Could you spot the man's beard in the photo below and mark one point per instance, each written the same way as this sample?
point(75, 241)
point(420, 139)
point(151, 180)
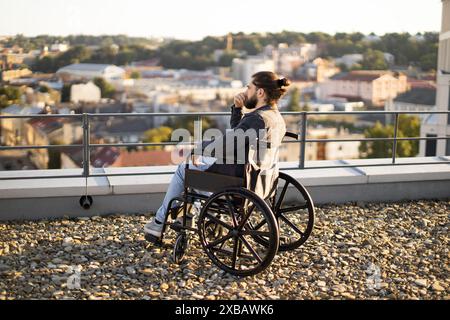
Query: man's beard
point(251, 102)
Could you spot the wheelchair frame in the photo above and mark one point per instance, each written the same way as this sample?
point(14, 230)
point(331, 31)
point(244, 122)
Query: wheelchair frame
point(224, 186)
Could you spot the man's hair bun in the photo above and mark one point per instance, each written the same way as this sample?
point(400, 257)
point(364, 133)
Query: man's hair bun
point(274, 86)
point(283, 82)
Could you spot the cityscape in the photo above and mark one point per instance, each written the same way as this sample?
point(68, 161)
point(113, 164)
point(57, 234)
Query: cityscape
point(120, 74)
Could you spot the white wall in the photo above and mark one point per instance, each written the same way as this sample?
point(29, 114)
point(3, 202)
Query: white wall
point(88, 92)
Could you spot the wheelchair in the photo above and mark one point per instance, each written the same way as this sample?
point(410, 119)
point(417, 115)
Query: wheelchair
point(239, 231)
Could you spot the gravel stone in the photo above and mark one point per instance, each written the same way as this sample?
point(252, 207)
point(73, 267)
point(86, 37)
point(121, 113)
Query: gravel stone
point(371, 251)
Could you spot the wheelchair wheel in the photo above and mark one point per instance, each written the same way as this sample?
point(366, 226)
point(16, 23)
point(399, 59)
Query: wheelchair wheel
point(180, 246)
point(294, 213)
point(226, 235)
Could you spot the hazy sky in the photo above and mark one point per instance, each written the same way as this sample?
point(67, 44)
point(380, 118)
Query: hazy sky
point(195, 19)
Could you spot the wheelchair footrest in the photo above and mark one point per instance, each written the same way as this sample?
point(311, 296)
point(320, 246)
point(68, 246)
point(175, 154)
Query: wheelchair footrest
point(153, 239)
point(178, 224)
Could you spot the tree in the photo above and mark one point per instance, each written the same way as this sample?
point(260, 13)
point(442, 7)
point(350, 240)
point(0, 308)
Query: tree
point(44, 89)
point(306, 106)
point(181, 123)
point(54, 156)
point(226, 59)
point(76, 54)
point(135, 75)
point(9, 95)
point(294, 101)
point(374, 60)
point(198, 55)
point(156, 135)
point(429, 61)
point(107, 90)
point(46, 65)
point(65, 93)
point(409, 126)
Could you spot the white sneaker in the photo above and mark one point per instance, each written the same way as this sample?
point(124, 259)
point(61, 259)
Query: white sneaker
point(154, 228)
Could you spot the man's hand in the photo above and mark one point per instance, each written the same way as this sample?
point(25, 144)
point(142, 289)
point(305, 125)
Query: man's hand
point(195, 159)
point(239, 100)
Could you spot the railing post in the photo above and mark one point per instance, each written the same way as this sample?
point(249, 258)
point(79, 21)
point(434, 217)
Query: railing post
point(86, 149)
point(303, 140)
point(198, 134)
point(394, 147)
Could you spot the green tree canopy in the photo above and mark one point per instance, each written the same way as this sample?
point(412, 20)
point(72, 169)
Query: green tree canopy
point(156, 135)
point(107, 90)
point(409, 126)
point(374, 60)
point(9, 95)
point(294, 101)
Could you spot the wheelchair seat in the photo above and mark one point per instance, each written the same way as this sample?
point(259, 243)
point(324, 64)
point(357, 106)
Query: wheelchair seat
point(211, 181)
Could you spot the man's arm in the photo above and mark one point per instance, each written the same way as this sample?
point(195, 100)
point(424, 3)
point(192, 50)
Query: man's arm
point(226, 143)
point(236, 109)
point(236, 116)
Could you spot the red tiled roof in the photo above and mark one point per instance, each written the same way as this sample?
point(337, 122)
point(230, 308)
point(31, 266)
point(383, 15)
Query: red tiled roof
point(104, 157)
point(423, 84)
point(143, 158)
point(348, 97)
point(365, 76)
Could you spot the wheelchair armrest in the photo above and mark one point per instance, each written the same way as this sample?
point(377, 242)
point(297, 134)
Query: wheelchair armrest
point(292, 135)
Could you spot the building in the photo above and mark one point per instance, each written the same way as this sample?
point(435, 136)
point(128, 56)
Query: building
point(59, 47)
point(89, 71)
point(288, 59)
point(438, 125)
point(121, 129)
point(323, 150)
point(372, 87)
point(42, 131)
point(318, 70)
point(13, 129)
point(349, 60)
point(417, 99)
point(14, 74)
point(15, 160)
point(88, 92)
point(243, 69)
point(99, 157)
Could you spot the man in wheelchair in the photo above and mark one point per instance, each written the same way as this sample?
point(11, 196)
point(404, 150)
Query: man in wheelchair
point(263, 118)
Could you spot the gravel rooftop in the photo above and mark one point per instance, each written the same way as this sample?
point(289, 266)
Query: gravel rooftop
point(371, 251)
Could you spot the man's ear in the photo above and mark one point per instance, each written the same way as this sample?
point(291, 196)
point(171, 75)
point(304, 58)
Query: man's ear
point(260, 93)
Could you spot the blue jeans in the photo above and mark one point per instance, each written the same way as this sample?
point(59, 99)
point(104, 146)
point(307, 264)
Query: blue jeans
point(176, 186)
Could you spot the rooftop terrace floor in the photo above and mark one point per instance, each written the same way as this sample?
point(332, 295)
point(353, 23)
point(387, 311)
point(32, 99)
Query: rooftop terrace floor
point(373, 251)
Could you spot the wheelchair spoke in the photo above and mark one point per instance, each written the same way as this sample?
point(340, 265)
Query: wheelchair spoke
point(218, 221)
point(252, 251)
point(280, 200)
point(290, 224)
point(231, 210)
point(293, 208)
point(255, 233)
point(259, 225)
point(244, 221)
point(219, 241)
point(235, 251)
point(230, 252)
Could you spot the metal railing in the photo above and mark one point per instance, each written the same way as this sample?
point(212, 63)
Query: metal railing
point(85, 119)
